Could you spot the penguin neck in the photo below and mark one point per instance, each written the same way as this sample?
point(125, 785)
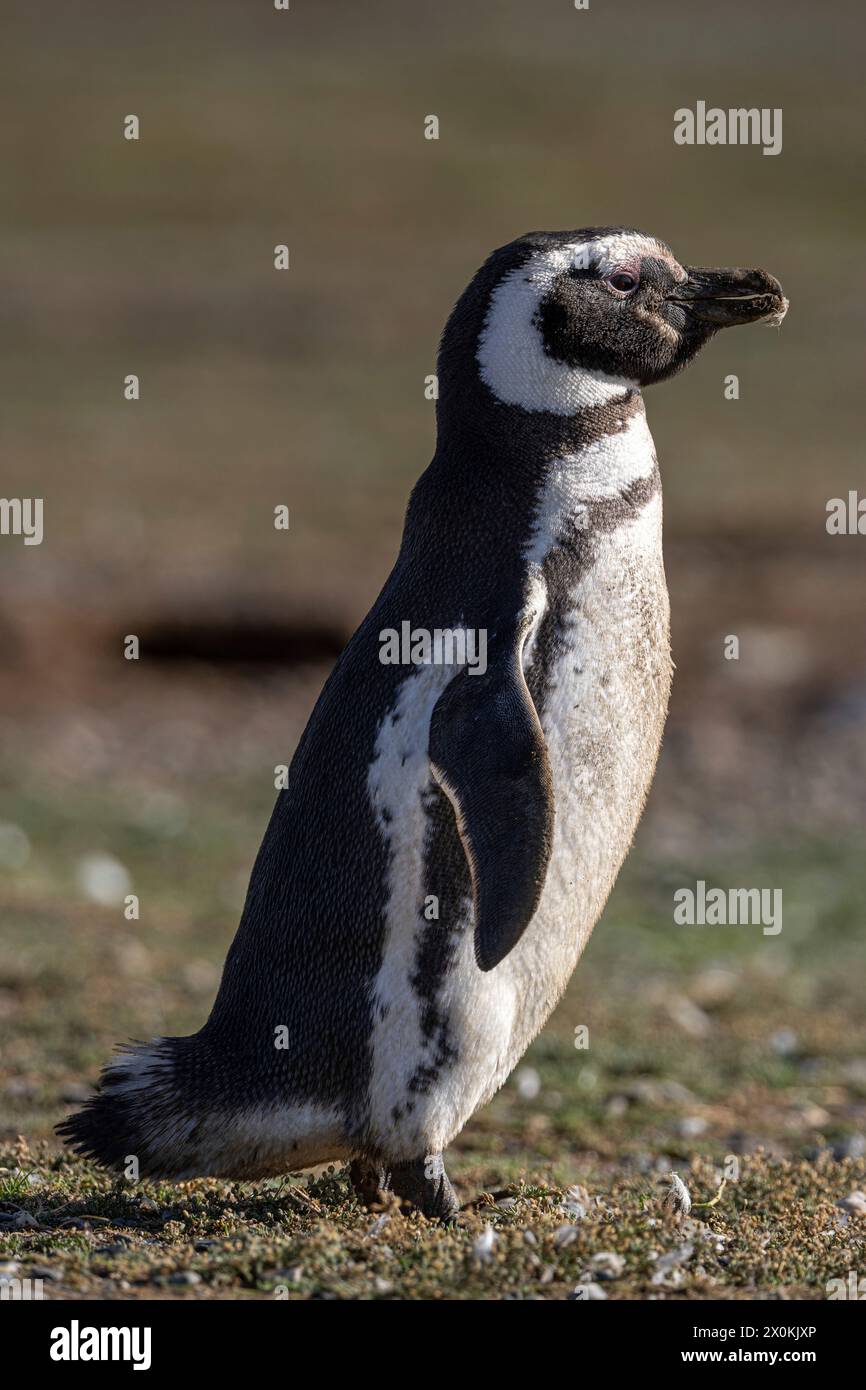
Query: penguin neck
point(484, 440)
point(504, 485)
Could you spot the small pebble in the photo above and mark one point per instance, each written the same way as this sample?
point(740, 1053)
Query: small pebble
point(853, 1146)
point(587, 1293)
point(607, 1264)
point(19, 1221)
point(784, 1042)
point(528, 1083)
point(103, 879)
point(691, 1126)
point(677, 1197)
point(485, 1244)
point(14, 846)
point(688, 1017)
point(854, 1204)
point(576, 1202)
point(677, 1256)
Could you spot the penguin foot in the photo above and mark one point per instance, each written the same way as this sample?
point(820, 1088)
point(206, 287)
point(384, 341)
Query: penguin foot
point(370, 1181)
point(423, 1182)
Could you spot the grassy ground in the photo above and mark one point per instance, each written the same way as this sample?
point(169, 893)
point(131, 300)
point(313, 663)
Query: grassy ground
point(711, 1052)
point(776, 1233)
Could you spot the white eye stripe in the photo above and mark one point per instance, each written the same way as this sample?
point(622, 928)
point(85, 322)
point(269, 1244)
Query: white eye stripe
point(510, 353)
point(626, 251)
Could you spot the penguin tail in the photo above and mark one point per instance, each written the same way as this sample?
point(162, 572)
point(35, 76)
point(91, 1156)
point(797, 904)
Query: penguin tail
point(139, 1122)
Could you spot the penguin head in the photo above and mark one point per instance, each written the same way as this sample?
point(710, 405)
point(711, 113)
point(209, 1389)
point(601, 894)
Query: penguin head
point(567, 320)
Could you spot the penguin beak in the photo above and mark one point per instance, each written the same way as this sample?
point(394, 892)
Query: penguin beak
point(724, 298)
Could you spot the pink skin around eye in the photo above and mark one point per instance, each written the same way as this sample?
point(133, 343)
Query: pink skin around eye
point(624, 281)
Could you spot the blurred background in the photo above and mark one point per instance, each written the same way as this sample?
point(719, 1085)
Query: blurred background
point(307, 389)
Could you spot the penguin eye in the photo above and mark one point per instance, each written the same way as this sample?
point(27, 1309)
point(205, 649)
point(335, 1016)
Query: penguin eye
point(623, 280)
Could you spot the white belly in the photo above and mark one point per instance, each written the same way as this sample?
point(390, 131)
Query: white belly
point(602, 721)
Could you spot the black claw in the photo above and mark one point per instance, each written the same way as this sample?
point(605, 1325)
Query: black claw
point(423, 1182)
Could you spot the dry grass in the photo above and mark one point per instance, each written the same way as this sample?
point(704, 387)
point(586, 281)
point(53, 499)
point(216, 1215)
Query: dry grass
point(776, 1233)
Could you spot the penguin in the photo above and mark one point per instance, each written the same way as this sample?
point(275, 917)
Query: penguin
point(460, 803)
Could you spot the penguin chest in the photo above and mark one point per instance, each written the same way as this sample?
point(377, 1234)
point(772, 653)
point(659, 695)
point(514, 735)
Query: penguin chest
point(596, 659)
point(597, 662)
point(599, 665)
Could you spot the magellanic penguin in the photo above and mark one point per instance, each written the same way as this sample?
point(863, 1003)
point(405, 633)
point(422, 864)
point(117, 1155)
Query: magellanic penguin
point(452, 827)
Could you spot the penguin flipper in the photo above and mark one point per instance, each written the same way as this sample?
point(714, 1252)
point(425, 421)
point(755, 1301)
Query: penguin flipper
point(488, 754)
